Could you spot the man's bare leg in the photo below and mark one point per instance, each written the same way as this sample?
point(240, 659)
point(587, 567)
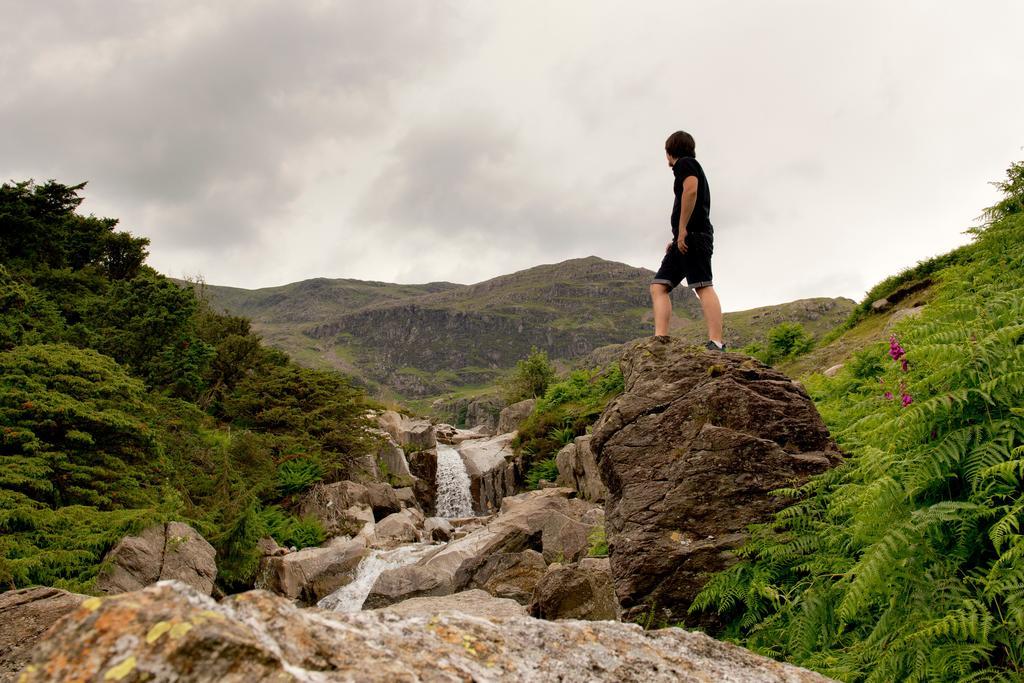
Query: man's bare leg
point(662, 309)
point(712, 313)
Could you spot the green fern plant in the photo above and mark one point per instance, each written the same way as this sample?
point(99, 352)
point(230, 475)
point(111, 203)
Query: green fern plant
point(907, 562)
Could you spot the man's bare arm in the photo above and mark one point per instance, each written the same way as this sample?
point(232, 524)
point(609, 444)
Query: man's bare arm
point(688, 201)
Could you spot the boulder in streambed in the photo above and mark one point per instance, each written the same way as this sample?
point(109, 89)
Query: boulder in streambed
point(582, 590)
point(689, 453)
point(312, 573)
point(161, 552)
point(492, 470)
point(513, 415)
point(170, 632)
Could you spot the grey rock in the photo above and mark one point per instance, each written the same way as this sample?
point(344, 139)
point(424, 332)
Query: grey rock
point(582, 590)
point(833, 370)
point(161, 552)
point(438, 529)
point(473, 602)
point(511, 575)
point(396, 529)
point(512, 416)
point(492, 471)
point(577, 469)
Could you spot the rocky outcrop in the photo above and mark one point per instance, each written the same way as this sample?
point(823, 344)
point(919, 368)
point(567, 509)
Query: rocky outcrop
point(512, 416)
point(582, 590)
point(390, 459)
point(477, 413)
point(689, 453)
point(577, 469)
point(411, 434)
point(26, 614)
point(312, 573)
point(170, 632)
point(164, 551)
point(492, 469)
point(542, 521)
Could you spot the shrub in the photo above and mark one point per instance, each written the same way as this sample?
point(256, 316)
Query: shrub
point(530, 378)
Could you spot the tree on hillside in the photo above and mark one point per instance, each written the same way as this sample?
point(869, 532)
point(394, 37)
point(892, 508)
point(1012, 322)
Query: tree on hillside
point(531, 377)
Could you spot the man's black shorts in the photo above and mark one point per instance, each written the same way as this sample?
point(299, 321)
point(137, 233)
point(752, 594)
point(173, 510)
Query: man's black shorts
point(694, 265)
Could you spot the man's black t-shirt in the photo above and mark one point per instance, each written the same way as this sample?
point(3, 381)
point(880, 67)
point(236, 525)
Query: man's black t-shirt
point(700, 219)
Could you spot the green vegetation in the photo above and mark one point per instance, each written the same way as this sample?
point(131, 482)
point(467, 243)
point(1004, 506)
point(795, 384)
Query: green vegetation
point(125, 401)
point(531, 377)
point(907, 562)
point(598, 542)
point(784, 341)
point(564, 412)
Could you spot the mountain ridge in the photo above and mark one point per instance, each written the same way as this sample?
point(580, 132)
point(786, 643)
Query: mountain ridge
point(414, 341)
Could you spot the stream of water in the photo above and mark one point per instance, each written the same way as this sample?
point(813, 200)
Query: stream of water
point(453, 496)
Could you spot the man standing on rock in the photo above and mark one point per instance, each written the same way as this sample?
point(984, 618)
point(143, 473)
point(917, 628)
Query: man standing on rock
point(689, 253)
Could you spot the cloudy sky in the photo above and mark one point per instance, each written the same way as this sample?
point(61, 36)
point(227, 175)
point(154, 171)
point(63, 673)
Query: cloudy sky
point(259, 143)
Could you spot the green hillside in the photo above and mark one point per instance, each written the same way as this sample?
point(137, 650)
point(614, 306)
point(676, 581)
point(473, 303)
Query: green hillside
point(907, 562)
point(125, 401)
point(419, 341)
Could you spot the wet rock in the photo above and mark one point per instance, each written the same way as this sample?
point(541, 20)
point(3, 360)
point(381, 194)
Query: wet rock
point(164, 551)
point(26, 614)
point(423, 465)
point(492, 471)
point(170, 632)
point(312, 573)
point(582, 590)
point(512, 416)
point(577, 469)
point(519, 526)
point(689, 453)
point(511, 575)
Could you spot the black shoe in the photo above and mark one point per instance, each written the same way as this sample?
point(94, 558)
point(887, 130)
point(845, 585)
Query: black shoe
point(712, 346)
point(662, 338)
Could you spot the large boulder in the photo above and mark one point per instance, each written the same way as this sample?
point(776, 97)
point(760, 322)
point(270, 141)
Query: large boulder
point(312, 573)
point(577, 469)
point(689, 453)
point(447, 434)
point(26, 614)
point(492, 470)
point(396, 529)
point(170, 632)
point(531, 521)
point(511, 575)
point(512, 416)
point(582, 590)
point(390, 458)
point(163, 551)
point(423, 465)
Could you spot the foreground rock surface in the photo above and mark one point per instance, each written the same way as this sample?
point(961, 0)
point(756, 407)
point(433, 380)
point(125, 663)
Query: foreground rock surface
point(689, 453)
point(25, 616)
point(161, 552)
point(170, 632)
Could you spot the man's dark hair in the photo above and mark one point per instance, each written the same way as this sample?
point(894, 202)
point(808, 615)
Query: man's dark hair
point(680, 144)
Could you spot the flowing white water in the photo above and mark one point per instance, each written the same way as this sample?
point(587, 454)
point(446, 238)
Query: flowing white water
point(453, 496)
point(350, 597)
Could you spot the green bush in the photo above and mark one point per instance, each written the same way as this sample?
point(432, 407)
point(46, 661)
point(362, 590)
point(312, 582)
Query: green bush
point(298, 474)
point(546, 469)
point(531, 377)
point(784, 341)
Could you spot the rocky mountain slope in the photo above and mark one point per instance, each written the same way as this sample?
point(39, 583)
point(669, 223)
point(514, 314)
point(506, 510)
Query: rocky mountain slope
point(425, 340)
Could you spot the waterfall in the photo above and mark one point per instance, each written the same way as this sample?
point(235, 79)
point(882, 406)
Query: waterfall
point(453, 496)
point(350, 597)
